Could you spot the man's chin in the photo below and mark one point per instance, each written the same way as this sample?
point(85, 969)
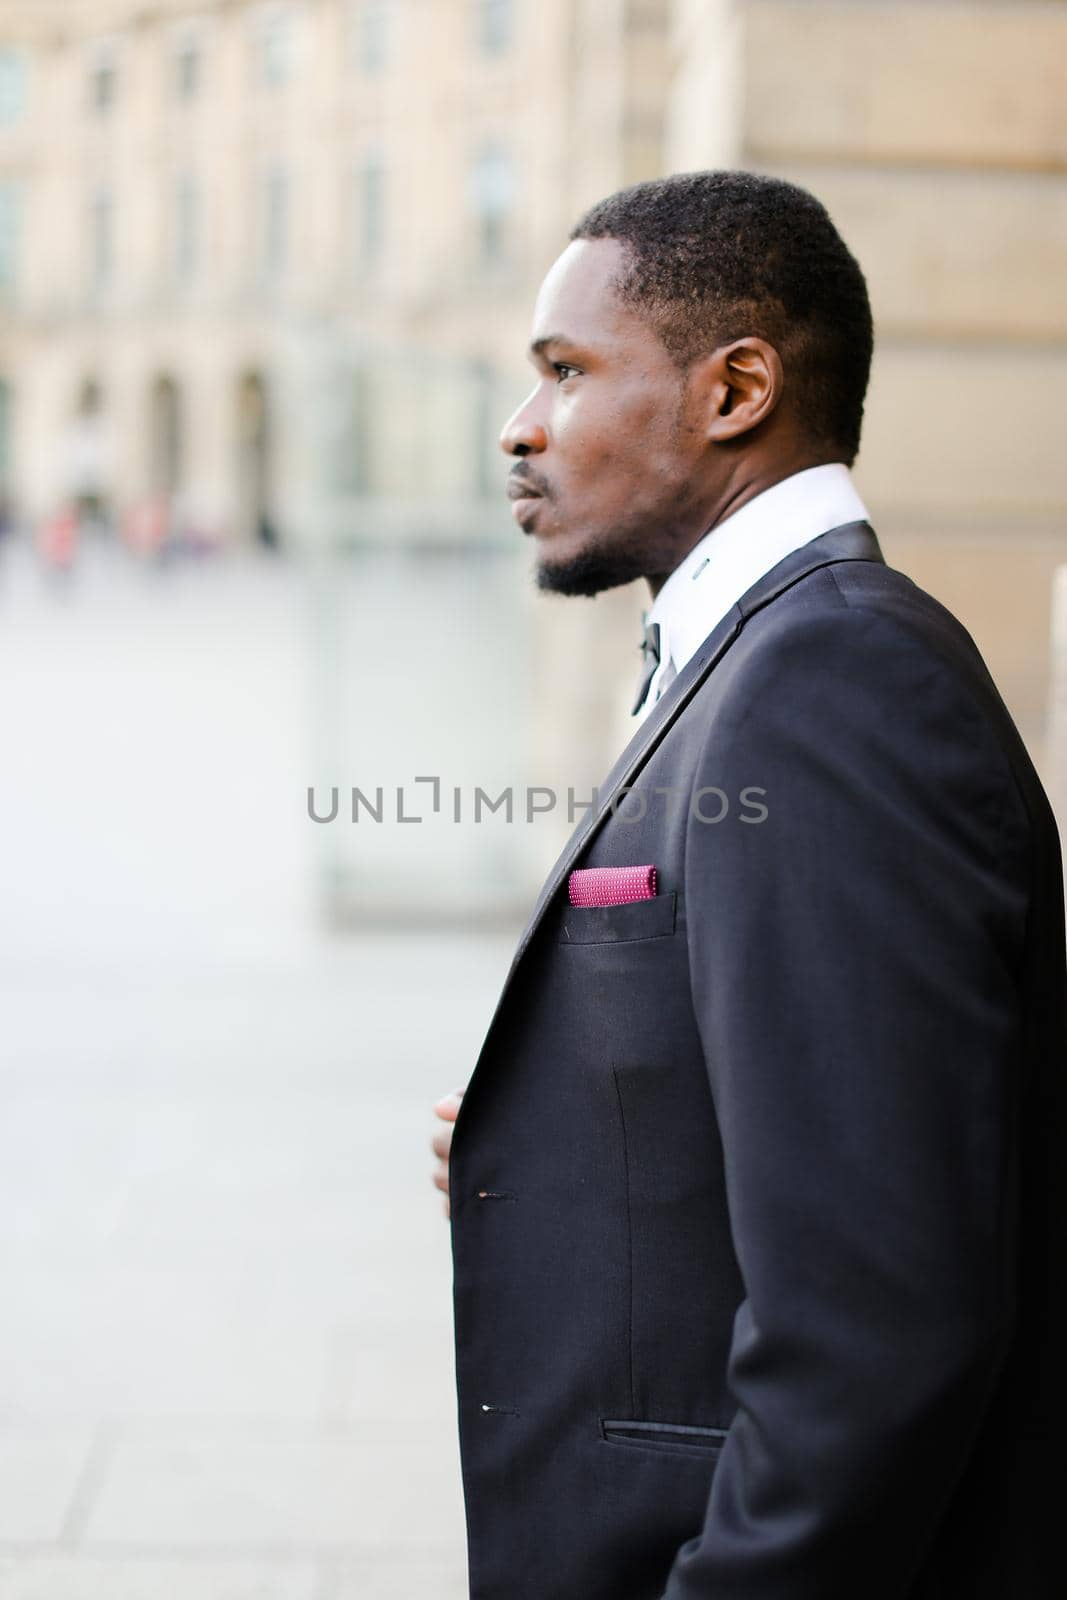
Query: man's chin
point(587, 572)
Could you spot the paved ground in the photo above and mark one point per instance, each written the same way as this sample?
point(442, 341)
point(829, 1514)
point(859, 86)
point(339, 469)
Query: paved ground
point(225, 1359)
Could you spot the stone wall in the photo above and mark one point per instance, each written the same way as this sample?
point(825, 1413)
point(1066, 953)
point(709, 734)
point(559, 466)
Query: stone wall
point(936, 134)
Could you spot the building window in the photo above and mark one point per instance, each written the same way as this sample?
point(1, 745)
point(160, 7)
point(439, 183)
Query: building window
point(496, 25)
point(275, 46)
point(88, 466)
point(166, 435)
point(10, 220)
point(103, 84)
point(186, 230)
point(275, 238)
point(188, 63)
point(370, 214)
point(373, 26)
point(5, 447)
point(12, 84)
point(492, 192)
point(101, 240)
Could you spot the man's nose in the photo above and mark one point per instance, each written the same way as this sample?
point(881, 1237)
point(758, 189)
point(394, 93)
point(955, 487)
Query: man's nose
point(523, 434)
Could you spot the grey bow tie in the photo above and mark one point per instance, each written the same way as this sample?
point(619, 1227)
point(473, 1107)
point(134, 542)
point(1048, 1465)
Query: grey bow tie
point(650, 644)
point(650, 647)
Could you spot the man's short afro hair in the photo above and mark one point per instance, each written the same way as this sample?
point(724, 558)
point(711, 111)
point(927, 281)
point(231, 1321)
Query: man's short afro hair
point(713, 256)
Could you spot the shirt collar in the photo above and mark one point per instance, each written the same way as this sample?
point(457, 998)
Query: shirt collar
point(732, 556)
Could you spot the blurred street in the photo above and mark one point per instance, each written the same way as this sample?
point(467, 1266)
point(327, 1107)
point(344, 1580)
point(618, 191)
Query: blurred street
point(225, 1349)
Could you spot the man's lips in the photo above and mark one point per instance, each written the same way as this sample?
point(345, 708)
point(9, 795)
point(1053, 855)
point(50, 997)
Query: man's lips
point(524, 498)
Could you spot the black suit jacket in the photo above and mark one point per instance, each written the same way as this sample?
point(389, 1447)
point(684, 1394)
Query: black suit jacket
point(759, 1215)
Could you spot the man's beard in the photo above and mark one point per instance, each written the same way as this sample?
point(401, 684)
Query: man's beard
point(593, 570)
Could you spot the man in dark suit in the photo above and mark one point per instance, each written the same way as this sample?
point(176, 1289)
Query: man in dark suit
point(759, 1217)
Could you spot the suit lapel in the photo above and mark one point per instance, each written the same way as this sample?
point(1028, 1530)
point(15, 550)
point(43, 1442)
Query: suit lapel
point(854, 541)
point(640, 747)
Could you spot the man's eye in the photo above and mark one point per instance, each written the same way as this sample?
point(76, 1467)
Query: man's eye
point(563, 369)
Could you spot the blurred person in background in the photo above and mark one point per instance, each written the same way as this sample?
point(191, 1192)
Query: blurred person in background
point(757, 1195)
point(57, 541)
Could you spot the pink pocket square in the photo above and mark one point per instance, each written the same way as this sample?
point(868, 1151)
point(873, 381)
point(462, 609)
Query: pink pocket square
point(611, 886)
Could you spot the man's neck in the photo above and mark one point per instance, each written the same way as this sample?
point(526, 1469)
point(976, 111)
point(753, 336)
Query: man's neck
point(736, 496)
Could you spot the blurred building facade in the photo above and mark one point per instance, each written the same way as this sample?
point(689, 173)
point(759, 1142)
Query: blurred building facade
point(201, 203)
point(267, 267)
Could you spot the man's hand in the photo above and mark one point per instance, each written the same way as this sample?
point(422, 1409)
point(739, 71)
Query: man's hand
point(447, 1109)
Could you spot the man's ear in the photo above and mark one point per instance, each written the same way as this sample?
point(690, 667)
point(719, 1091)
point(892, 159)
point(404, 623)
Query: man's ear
point(736, 387)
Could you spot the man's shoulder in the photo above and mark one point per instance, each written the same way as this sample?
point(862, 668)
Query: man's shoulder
point(855, 662)
point(840, 595)
point(852, 643)
point(851, 617)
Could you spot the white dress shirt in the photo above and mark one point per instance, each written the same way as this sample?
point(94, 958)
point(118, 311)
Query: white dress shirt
point(737, 552)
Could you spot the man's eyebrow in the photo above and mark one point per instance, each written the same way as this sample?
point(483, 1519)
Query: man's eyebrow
point(539, 346)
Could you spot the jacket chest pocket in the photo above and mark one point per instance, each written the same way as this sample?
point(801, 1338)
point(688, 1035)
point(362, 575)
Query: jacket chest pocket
point(656, 918)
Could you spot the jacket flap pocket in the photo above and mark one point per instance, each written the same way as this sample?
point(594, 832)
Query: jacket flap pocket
point(662, 1435)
